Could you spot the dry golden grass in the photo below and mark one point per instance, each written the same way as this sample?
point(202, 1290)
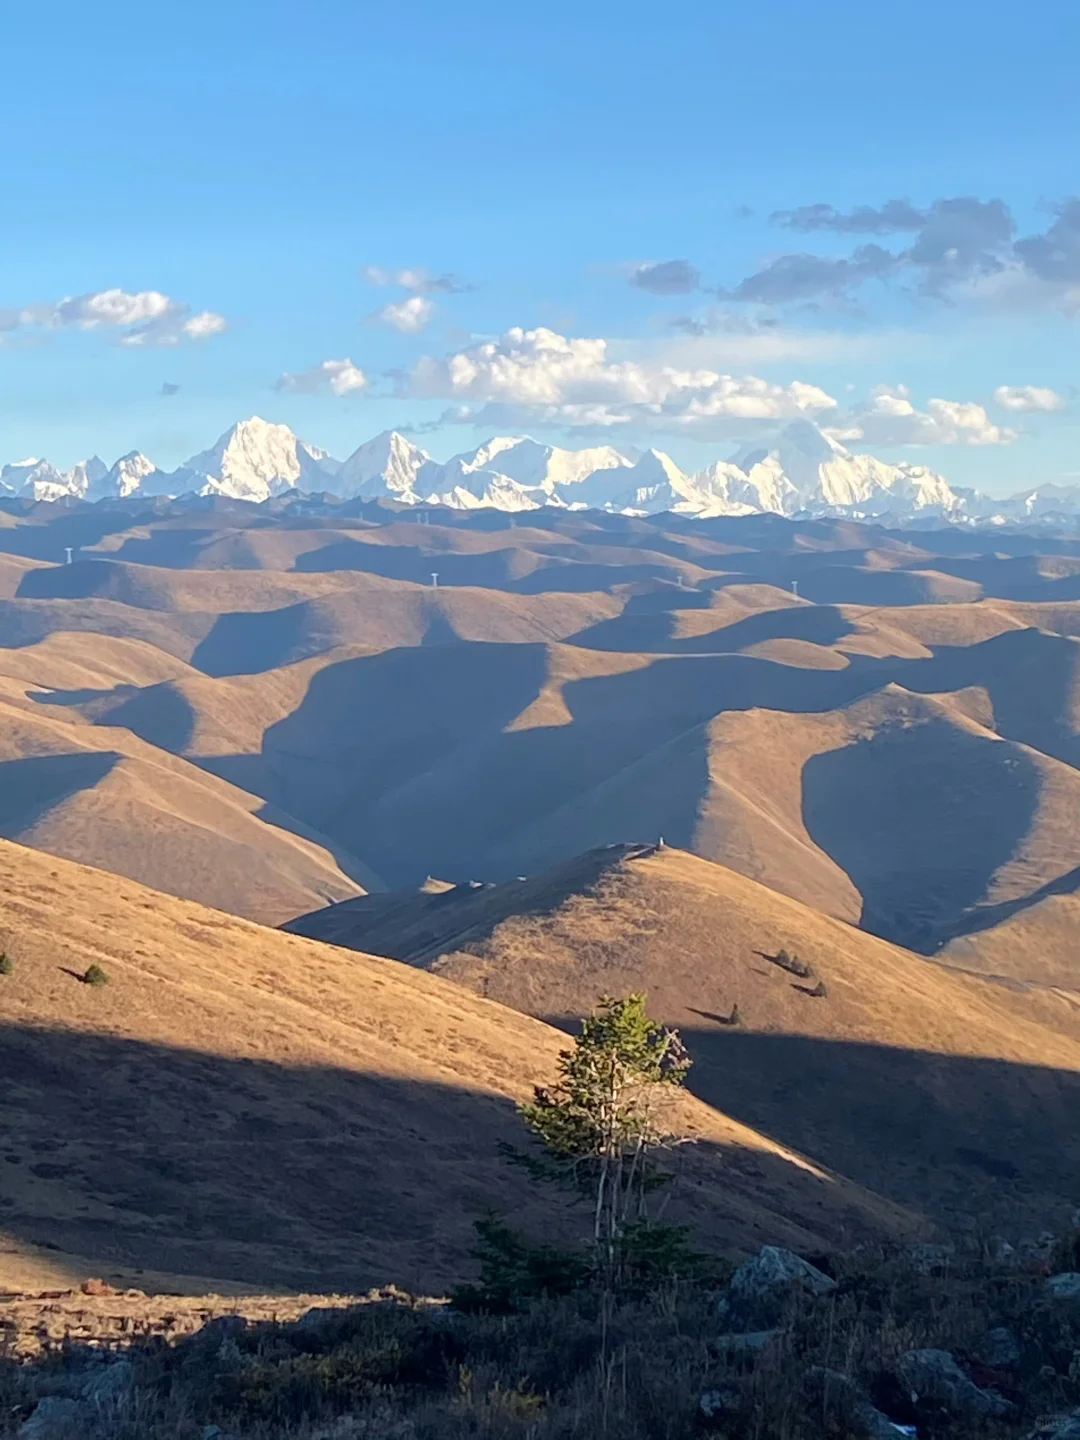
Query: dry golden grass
point(946, 1092)
point(240, 1105)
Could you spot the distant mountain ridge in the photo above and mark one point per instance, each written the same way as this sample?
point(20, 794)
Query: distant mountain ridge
point(802, 471)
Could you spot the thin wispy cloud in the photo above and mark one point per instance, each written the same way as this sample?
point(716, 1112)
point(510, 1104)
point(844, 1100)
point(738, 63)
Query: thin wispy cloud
point(423, 282)
point(1021, 398)
point(667, 277)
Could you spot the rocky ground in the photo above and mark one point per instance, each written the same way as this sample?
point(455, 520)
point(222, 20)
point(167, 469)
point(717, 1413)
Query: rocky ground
point(920, 1341)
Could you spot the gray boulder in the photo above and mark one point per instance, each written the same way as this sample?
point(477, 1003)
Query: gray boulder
point(932, 1259)
point(934, 1376)
point(109, 1382)
point(715, 1404)
point(747, 1341)
point(1061, 1427)
point(1065, 1286)
point(761, 1288)
point(58, 1418)
point(841, 1399)
point(999, 1348)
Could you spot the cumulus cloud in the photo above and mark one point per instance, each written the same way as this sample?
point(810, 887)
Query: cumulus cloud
point(961, 247)
point(667, 277)
point(409, 316)
point(1029, 397)
point(331, 377)
point(890, 418)
point(417, 279)
point(540, 375)
point(144, 317)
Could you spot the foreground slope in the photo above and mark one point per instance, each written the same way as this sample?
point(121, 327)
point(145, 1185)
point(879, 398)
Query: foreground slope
point(946, 1092)
point(241, 1105)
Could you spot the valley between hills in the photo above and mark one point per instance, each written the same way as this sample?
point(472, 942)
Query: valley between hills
point(361, 809)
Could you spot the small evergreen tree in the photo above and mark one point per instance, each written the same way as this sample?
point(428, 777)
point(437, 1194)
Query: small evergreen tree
point(95, 975)
point(599, 1126)
point(7, 965)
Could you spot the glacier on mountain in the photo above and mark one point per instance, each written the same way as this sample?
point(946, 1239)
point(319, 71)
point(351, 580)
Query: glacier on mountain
point(802, 471)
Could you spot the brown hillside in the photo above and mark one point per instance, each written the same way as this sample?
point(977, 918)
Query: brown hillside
point(945, 1092)
point(241, 1105)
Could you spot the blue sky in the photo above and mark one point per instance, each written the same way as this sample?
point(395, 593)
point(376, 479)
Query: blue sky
point(249, 164)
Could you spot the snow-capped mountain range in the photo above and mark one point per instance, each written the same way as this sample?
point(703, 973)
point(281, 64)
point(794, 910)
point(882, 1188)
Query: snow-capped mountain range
point(802, 471)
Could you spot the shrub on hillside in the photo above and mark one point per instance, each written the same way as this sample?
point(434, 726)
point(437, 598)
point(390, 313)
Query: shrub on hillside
point(7, 964)
point(95, 975)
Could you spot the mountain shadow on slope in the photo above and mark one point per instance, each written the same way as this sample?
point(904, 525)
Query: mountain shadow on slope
point(129, 1156)
point(978, 1143)
point(438, 779)
point(159, 714)
point(657, 632)
point(31, 787)
point(920, 817)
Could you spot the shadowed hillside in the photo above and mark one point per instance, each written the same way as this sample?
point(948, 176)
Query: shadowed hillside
point(940, 1090)
point(883, 725)
point(240, 1104)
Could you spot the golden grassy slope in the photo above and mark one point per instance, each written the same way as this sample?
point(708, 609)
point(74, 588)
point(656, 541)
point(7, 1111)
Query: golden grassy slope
point(945, 1092)
point(242, 1105)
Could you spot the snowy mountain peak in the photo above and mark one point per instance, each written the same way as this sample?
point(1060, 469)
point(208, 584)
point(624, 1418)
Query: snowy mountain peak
point(257, 459)
point(800, 470)
point(132, 473)
point(388, 465)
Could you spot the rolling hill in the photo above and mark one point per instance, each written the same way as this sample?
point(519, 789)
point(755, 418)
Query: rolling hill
point(244, 1107)
point(942, 1091)
point(265, 707)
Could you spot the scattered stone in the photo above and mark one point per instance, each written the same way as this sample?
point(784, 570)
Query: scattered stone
point(57, 1418)
point(716, 1403)
point(999, 1349)
point(109, 1382)
point(935, 1376)
point(97, 1287)
point(748, 1340)
point(842, 1399)
point(221, 1328)
point(932, 1259)
point(1060, 1427)
point(318, 1316)
point(1065, 1286)
point(761, 1288)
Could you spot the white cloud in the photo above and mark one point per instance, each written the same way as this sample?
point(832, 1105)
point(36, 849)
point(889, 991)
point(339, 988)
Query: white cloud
point(1029, 397)
point(415, 278)
point(541, 375)
point(409, 316)
point(144, 317)
point(890, 418)
point(331, 377)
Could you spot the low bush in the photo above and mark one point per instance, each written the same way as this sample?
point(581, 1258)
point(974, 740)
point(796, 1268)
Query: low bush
point(7, 964)
point(95, 975)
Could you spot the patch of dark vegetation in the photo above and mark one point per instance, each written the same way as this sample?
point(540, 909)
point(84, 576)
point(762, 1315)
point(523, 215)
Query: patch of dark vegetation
point(7, 964)
point(95, 975)
point(791, 963)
